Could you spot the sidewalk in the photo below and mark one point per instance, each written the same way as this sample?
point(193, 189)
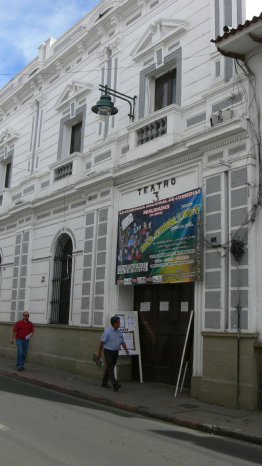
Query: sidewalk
point(150, 399)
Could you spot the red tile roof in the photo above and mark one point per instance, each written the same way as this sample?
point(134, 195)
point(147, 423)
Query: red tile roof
point(240, 27)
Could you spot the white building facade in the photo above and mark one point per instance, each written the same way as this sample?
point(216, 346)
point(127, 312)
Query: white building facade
point(65, 175)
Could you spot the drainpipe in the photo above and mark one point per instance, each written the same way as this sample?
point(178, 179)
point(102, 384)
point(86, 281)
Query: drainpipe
point(238, 354)
point(237, 250)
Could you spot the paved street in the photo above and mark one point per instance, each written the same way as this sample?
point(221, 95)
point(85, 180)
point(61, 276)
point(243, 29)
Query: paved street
point(44, 428)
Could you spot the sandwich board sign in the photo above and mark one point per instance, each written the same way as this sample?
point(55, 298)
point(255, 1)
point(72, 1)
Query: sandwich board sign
point(130, 330)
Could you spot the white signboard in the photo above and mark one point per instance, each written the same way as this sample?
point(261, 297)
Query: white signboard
point(129, 338)
point(164, 306)
point(122, 321)
point(130, 320)
point(144, 307)
point(130, 329)
point(184, 306)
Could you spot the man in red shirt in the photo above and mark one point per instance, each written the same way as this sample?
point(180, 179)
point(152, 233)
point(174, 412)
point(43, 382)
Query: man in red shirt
point(22, 331)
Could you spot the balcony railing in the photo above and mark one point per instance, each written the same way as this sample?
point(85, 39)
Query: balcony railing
point(152, 131)
point(63, 171)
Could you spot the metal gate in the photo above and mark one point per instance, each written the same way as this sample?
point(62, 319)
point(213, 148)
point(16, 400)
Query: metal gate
point(61, 282)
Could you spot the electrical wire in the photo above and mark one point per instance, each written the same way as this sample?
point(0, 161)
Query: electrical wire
point(45, 73)
point(252, 213)
point(250, 218)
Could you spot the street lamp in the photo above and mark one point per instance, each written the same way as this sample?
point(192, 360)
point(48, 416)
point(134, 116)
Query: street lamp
point(105, 107)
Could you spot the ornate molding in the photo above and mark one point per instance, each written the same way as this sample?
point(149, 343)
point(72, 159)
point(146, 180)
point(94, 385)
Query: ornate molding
point(114, 46)
point(80, 48)
point(159, 32)
point(38, 100)
point(8, 136)
point(58, 66)
point(72, 92)
point(157, 167)
point(224, 142)
point(103, 56)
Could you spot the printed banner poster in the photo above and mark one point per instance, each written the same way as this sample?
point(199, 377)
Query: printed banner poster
point(160, 242)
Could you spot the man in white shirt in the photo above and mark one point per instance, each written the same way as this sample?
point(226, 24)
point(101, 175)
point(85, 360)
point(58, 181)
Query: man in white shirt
point(112, 339)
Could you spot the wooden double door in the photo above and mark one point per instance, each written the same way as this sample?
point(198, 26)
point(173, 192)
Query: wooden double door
point(163, 313)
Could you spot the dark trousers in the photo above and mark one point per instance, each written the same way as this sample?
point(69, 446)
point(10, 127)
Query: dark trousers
point(111, 360)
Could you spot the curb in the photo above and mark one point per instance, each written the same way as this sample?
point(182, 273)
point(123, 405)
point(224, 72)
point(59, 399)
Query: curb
point(177, 420)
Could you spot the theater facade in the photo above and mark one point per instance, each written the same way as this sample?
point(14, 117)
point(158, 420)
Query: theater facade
point(152, 209)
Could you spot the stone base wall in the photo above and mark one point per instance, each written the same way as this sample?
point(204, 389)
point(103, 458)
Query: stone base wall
point(63, 347)
point(218, 383)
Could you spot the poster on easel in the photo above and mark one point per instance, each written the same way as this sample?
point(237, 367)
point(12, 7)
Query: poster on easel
point(130, 330)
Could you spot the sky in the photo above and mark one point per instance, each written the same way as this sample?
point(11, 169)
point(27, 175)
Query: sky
point(26, 24)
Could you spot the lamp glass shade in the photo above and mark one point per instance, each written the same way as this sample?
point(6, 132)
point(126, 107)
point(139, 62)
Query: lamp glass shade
point(104, 110)
point(104, 106)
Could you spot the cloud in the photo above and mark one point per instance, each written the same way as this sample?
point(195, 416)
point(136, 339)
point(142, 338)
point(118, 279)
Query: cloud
point(27, 24)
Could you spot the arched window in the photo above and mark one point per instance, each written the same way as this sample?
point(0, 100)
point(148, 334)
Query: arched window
point(61, 282)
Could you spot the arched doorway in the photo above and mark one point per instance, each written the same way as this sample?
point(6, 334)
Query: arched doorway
point(61, 282)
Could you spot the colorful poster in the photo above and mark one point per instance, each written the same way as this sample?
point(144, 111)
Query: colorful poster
point(160, 242)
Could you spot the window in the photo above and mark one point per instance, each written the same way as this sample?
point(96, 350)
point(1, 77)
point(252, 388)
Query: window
point(8, 175)
point(160, 86)
point(165, 90)
point(76, 131)
point(71, 137)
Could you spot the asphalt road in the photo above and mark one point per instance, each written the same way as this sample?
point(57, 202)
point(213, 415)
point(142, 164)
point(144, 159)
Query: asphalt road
point(40, 427)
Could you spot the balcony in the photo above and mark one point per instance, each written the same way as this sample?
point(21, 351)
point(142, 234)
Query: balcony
point(63, 171)
point(73, 164)
point(153, 133)
point(5, 198)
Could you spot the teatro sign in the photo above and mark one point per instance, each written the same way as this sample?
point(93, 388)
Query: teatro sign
point(156, 187)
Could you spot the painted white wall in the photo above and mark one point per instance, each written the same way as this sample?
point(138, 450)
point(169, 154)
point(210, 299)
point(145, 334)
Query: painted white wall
point(183, 153)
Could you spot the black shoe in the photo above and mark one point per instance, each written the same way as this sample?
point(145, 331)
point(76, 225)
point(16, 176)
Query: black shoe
point(20, 368)
point(116, 387)
point(105, 385)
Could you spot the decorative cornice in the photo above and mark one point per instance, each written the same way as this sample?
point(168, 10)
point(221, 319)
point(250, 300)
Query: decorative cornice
point(157, 167)
point(80, 48)
point(38, 100)
point(224, 142)
point(159, 32)
point(114, 46)
point(7, 136)
point(71, 92)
